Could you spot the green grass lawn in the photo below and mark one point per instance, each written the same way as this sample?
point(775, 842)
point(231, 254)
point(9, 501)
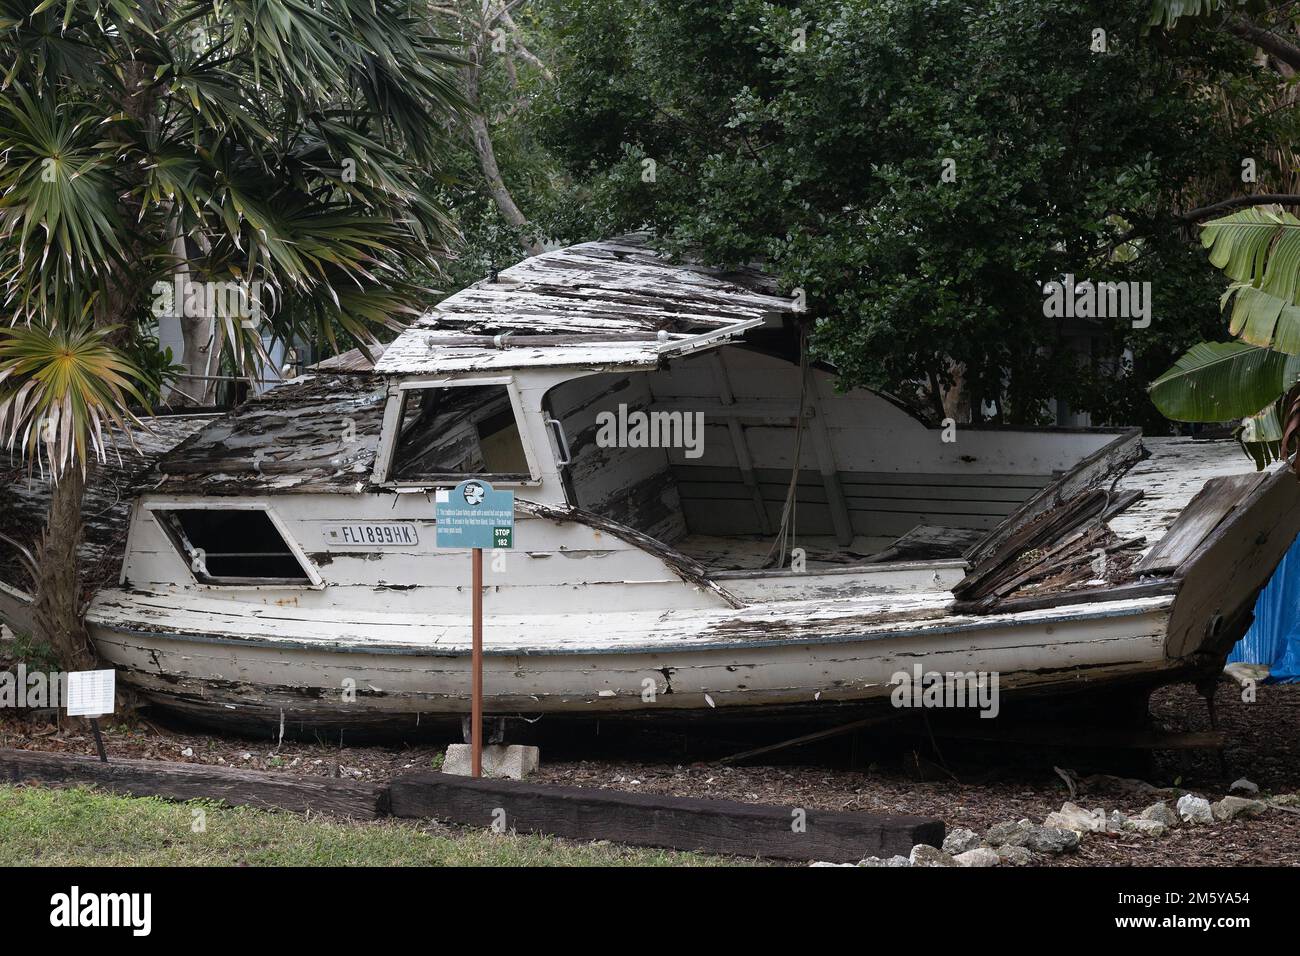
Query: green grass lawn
point(40, 827)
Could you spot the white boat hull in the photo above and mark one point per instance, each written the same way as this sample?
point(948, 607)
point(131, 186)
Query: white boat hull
point(853, 659)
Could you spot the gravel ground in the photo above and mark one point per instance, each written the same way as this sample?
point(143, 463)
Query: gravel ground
point(1263, 745)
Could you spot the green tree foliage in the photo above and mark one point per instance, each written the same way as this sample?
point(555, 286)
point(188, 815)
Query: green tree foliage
point(1252, 379)
point(816, 138)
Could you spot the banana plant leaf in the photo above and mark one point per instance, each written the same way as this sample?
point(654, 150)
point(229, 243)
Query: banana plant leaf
point(1223, 381)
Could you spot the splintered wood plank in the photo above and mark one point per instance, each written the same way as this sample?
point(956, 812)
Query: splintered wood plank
point(1210, 506)
point(616, 302)
point(184, 781)
point(1176, 469)
point(1041, 534)
point(1087, 474)
point(1228, 569)
point(642, 819)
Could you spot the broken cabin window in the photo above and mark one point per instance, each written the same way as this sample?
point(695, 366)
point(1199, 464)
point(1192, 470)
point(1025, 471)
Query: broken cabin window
point(232, 546)
point(459, 431)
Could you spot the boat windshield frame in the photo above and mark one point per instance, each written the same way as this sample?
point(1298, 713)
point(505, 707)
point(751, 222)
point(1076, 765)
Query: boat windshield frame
point(394, 420)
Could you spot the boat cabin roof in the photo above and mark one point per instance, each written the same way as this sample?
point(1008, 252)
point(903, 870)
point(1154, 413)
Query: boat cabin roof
point(318, 433)
point(615, 303)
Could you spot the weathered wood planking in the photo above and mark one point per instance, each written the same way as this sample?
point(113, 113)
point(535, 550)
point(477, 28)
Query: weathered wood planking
point(630, 485)
point(184, 781)
point(566, 556)
point(1210, 506)
point(679, 823)
point(597, 291)
point(595, 664)
point(318, 433)
point(1224, 575)
point(869, 432)
point(1175, 470)
point(1092, 471)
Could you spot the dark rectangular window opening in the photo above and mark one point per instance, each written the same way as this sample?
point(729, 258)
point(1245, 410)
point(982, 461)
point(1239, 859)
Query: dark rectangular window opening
point(232, 546)
point(459, 431)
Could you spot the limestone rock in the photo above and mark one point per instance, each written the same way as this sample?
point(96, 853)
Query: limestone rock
point(1229, 808)
point(892, 862)
point(1195, 810)
point(1014, 833)
point(960, 840)
point(1151, 828)
point(925, 855)
point(1052, 840)
point(1071, 817)
point(980, 856)
point(1011, 855)
point(1160, 813)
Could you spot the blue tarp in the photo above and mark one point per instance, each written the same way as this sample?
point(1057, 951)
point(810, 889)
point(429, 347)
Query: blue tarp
point(1274, 637)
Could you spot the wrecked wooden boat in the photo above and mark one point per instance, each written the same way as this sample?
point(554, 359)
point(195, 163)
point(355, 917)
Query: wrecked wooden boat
point(705, 526)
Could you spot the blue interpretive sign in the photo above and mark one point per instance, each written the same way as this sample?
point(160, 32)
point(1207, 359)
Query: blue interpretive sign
point(474, 515)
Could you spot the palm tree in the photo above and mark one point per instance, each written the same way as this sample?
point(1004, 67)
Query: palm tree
point(1252, 379)
point(287, 147)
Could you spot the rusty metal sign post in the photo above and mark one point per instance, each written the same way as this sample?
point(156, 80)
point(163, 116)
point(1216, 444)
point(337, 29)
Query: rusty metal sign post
point(474, 515)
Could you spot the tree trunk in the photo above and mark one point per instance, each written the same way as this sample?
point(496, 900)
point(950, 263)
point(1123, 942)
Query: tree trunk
point(201, 359)
point(200, 349)
point(1274, 44)
point(481, 141)
point(57, 611)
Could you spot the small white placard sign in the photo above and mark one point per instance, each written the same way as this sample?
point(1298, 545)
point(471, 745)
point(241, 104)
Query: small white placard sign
point(91, 693)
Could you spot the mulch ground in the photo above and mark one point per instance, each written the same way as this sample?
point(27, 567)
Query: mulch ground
point(1263, 745)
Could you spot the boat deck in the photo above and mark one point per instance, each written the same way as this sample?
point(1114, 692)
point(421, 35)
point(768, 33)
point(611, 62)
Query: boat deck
point(1176, 470)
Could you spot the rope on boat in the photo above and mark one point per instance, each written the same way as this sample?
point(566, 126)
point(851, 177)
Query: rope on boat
point(786, 533)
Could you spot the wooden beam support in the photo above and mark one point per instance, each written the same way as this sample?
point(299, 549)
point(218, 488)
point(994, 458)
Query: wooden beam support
point(740, 445)
point(812, 737)
point(187, 781)
point(821, 436)
point(643, 819)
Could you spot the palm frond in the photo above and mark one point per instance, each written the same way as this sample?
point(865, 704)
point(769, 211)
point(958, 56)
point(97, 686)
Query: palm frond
point(1259, 247)
point(62, 388)
point(58, 201)
point(1262, 319)
point(1167, 13)
point(1260, 436)
point(1223, 381)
